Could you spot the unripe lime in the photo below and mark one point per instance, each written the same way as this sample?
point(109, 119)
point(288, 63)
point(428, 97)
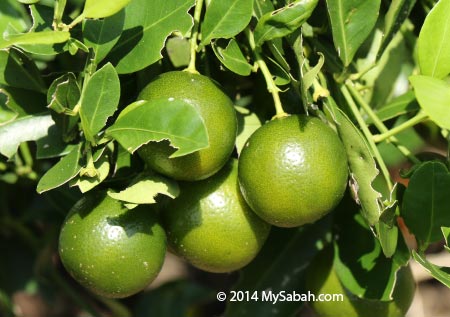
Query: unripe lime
point(218, 114)
point(211, 226)
point(293, 170)
point(112, 251)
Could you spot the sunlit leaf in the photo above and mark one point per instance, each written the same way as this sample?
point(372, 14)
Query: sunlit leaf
point(283, 21)
point(144, 189)
point(29, 128)
point(433, 46)
point(157, 120)
point(85, 183)
point(231, 57)
point(62, 172)
point(103, 8)
point(363, 169)
point(351, 23)
point(99, 100)
point(446, 233)
point(145, 31)
point(225, 19)
point(442, 274)
point(44, 37)
point(248, 122)
point(433, 96)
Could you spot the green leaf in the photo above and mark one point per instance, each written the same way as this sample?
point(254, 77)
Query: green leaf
point(18, 70)
point(62, 97)
point(426, 201)
point(362, 268)
point(225, 19)
point(23, 101)
point(280, 75)
point(12, 13)
point(98, 9)
point(363, 170)
point(409, 138)
point(398, 106)
point(433, 46)
point(442, 274)
point(158, 120)
point(6, 113)
point(144, 189)
point(283, 21)
point(351, 23)
point(261, 7)
point(52, 145)
point(398, 12)
point(433, 96)
point(285, 272)
point(248, 122)
point(145, 32)
point(42, 16)
point(99, 100)
point(311, 75)
point(44, 37)
point(85, 183)
point(386, 228)
point(29, 128)
point(446, 233)
point(102, 35)
point(178, 49)
point(230, 55)
point(62, 172)
point(63, 94)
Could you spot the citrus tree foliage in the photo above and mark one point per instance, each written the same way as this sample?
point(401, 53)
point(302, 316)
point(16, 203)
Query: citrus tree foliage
point(372, 70)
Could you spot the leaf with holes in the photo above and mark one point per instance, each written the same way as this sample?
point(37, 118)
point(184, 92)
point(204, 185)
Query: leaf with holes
point(157, 120)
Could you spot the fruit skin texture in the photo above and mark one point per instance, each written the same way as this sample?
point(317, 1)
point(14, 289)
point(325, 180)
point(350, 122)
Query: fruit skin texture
point(322, 279)
point(219, 117)
point(211, 226)
point(112, 251)
point(293, 170)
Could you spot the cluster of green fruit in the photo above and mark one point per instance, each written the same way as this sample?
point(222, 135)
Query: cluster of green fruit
point(292, 171)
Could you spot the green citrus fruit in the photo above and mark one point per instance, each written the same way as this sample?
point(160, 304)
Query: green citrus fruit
point(293, 170)
point(112, 251)
point(219, 117)
point(211, 226)
point(322, 279)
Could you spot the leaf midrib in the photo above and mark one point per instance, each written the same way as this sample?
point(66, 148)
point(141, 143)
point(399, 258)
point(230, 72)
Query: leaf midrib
point(342, 28)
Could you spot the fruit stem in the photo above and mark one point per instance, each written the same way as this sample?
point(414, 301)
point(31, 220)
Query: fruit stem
point(271, 86)
point(418, 118)
point(368, 135)
point(379, 124)
point(193, 40)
